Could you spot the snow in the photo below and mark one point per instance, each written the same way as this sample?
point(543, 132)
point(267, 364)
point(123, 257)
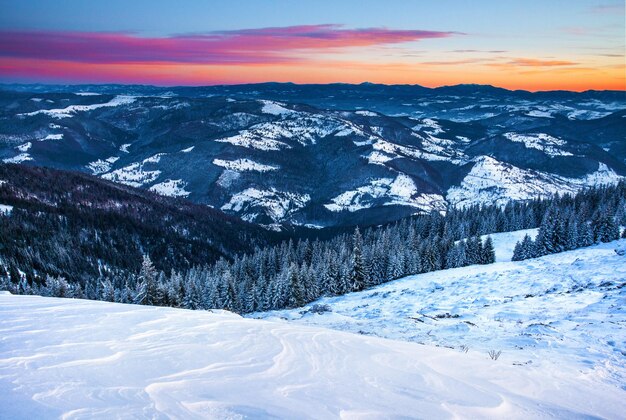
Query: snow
point(72, 109)
point(24, 147)
point(431, 125)
point(154, 158)
point(87, 94)
point(134, 174)
point(241, 165)
point(540, 113)
point(493, 182)
point(5, 209)
point(276, 204)
point(378, 158)
point(52, 137)
point(275, 108)
point(72, 358)
point(101, 166)
point(251, 140)
point(540, 141)
point(124, 148)
point(504, 243)
point(366, 113)
point(22, 157)
point(187, 150)
point(398, 191)
point(227, 178)
point(556, 315)
point(171, 188)
point(306, 130)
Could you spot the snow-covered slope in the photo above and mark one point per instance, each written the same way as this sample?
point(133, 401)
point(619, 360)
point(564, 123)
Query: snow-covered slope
point(84, 359)
point(562, 312)
point(491, 181)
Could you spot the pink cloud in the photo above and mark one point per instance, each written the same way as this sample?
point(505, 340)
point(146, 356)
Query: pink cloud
point(265, 45)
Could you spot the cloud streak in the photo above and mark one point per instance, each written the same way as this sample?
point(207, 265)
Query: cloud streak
point(264, 45)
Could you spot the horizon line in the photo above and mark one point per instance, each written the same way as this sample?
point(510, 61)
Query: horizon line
point(307, 84)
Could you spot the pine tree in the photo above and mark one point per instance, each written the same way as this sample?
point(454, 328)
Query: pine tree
point(357, 270)
point(296, 289)
point(489, 253)
point(147, 290)
point(524, 249)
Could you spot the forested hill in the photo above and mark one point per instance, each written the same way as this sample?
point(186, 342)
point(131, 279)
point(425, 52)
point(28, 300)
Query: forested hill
point(79, 226)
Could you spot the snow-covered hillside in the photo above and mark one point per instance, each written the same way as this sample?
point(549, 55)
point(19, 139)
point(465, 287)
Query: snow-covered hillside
point(562, 312)
point(330, 156)
point(85, 359)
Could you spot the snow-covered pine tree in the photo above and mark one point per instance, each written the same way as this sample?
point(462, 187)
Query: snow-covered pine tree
point(489, 253)
point(147, 283)
point(357, 269)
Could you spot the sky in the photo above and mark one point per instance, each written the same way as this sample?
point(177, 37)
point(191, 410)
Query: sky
point(531, 45)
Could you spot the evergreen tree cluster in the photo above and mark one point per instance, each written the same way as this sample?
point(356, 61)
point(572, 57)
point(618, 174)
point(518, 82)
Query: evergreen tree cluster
point(77, 226)
point(297, 271)
point(591, 217)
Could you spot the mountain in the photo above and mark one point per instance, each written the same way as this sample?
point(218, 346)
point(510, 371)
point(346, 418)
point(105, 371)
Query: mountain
point(79, 226)
point(322, 155)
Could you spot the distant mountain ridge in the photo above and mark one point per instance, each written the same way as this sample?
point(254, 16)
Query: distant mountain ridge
point(322, 155)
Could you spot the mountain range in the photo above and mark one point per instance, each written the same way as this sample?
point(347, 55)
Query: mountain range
point(322, 155)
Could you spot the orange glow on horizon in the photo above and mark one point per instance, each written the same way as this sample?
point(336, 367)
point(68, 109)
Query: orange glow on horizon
point(526, 74)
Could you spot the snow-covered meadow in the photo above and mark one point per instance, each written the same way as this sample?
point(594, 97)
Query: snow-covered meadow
point(413, 348)
point(561, 312)
point(85, 359)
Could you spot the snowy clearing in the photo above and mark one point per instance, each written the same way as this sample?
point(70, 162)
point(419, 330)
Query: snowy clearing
point(72, 109)
point(22, 157)
point(85, 359)
point(559, 313)
point(171, 188)
point(244, 164)
point(398, 191)
point(276, 204)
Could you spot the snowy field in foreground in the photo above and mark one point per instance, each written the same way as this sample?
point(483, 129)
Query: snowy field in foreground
point(84, 359)
point(560, 312)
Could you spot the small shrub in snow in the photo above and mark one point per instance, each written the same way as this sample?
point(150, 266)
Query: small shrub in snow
point(494, 355)
point(319, 309)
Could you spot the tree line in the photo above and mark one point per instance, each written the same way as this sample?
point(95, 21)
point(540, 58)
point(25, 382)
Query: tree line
point(297, 271)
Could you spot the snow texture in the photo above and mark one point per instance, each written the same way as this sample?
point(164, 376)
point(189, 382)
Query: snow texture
point(52, 137)
point(22, 157)
point(493, 182)
point(171, 188)
point(24, 147)
point(241, 165)
point(66, 358)
point(276, 204)
point(561, 314)
point(101, 166)
point(275, 108)
point(551, 146)
point(134, 174)
point(401, 191)
point(72, 109)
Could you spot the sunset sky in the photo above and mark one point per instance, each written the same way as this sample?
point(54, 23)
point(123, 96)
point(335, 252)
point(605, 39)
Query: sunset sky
point(532, 44)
